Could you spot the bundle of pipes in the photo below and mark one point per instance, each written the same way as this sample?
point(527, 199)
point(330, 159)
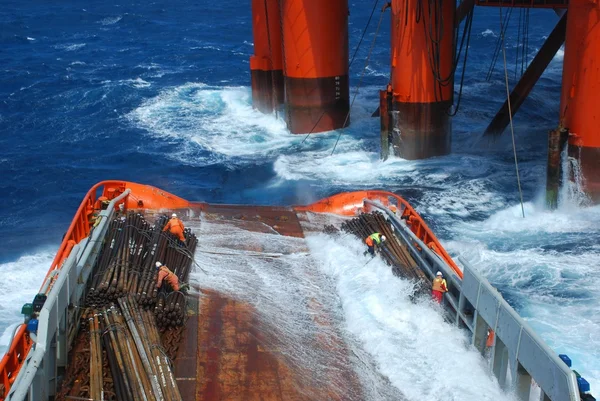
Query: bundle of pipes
point(139, 366)
point(96, 390)
point(392, 250)
point(122, 261)
point(170, 308)
point(158, 248)
point(127, 265)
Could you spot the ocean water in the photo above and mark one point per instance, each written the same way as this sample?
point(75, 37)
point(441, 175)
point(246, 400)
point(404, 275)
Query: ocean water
point(159, 93)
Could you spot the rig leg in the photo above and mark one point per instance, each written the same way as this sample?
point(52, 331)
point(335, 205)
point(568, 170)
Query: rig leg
point(315, 64)
point(422, 77)
point(266, 66)
point(580, 95)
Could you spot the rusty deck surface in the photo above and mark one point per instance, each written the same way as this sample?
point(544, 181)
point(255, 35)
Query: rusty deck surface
point(229, 350)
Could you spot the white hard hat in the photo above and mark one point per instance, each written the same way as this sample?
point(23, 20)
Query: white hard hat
point(439, 274)
point(383, 238)
point(174, 215)
point(158, 264)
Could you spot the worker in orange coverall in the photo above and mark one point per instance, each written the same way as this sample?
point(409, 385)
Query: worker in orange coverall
point(175, 226)
point(164, 273)
point(439, 287)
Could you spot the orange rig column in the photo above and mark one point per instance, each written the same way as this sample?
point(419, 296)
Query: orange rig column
point(422, 82)
point(266, 66)
point(315, 64)
point(580, 96)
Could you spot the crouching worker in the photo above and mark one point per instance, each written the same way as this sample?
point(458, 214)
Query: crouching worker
point(164, 273)
point(439, 287)
point(373, 241)
point(175, 227)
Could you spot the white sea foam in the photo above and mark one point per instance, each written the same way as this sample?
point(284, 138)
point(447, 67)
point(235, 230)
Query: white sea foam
point(70, 47)
point(421, 354)
point(30, 39)
point(111, 20)
point(218, 120)
point(137, 83)
point(348, 165)
point(395, 341)
point(297, 303)
point(553, 288)
point(553, 291)
point(21, 280)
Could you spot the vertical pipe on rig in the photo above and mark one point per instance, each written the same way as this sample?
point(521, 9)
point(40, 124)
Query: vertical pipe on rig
point(315, 64)
point(422, 58)
point(385, 118)
point(556, 143)
point(266, 65)
point(580, 94)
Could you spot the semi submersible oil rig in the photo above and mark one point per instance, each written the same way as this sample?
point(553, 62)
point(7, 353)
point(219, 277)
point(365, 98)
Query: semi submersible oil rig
point(300, 61)
point(100, 330)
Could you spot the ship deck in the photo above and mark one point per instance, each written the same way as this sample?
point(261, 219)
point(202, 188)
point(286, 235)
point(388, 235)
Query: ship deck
point(240, 341)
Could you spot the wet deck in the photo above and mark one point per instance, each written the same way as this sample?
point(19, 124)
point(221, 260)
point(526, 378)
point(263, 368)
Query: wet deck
point(233, 351)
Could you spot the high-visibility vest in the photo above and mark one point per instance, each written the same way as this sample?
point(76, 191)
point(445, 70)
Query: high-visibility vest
point(439, 284)
point(373, 237)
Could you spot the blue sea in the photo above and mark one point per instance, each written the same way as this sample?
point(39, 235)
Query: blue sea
point(159, 93)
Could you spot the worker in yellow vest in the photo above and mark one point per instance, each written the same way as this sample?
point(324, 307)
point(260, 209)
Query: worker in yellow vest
point(439, 287)
point(372, 241)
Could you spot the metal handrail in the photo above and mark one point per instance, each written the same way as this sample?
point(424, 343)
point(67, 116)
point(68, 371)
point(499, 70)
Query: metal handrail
point(553, 376)
point(52, 313)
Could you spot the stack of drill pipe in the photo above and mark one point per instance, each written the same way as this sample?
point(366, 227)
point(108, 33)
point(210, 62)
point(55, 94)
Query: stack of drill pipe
point(180, 258)
point(117, 271)
point(157, 249)
point(170, 310)
point(126, 264)
point(127, 369)
point(392, 251)
point(398, 250)
point(156, 365)
point(96, 392)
